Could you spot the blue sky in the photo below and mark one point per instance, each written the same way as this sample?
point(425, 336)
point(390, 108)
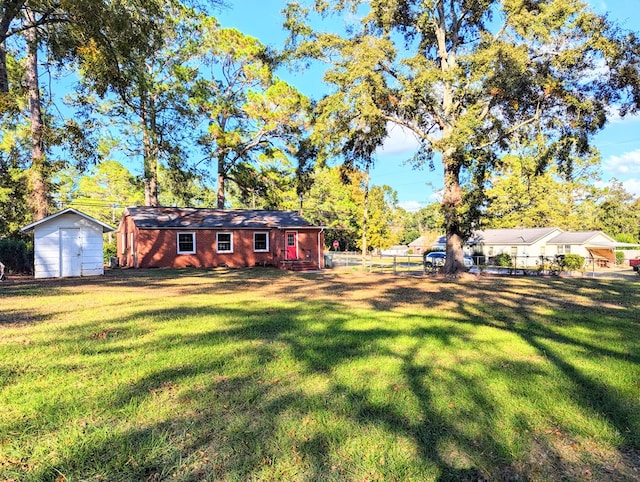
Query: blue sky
point(619, 142)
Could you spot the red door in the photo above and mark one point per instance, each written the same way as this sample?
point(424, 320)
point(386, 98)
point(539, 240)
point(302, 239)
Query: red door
point(292, 244)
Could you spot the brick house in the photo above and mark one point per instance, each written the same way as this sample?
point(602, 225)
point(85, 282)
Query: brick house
point(166, 237)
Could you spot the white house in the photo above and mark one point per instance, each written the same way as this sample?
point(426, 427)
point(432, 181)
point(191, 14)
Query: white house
point(520, 242)
point(68, 243)
point(524, 244)
point(592, 245)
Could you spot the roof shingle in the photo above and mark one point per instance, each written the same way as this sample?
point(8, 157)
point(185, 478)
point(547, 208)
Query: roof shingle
point(207, 218)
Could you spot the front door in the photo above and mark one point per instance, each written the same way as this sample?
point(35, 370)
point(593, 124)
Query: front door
point(70, 252)
point(292, 244)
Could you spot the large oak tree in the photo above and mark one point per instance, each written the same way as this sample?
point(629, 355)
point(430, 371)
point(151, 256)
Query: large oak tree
point(468, 77)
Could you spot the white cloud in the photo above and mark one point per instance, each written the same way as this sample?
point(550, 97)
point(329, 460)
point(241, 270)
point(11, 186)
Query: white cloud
point(632, 186)
point(614, 118)
point(626, 164)
point(399, 141)
point(411, 206)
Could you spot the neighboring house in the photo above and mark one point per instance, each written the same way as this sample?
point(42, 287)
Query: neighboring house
point(417, 246)
point(150, 237)
point(517, 243)
point(592, 245)
point(68, 243)
point(533, 243)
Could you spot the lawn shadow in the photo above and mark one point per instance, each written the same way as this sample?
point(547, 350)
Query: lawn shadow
point(234, 420)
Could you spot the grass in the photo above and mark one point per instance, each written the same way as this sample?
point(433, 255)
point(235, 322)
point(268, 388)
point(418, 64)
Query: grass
point(265, 375)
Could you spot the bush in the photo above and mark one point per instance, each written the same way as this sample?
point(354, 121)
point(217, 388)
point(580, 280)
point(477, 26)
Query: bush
point(503, 259)
point(110, 251)
point(573, 262)
point(619, 258)
point(16, 256)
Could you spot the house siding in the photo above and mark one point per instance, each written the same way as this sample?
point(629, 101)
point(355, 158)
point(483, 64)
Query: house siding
point(158, 248)
point(47, 246)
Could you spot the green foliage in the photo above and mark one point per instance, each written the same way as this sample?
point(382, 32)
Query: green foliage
point(469, 87)
point(625, 238)
point(618, 212)
point(572, 262)
point(381, 212)
point(110, 250)
point(16, 256)
point(619, 258)
point(503, 259)
point(255, 120)
point(520, 196)
point(103, 192)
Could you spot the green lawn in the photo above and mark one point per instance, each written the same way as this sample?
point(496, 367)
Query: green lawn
point(343, 375)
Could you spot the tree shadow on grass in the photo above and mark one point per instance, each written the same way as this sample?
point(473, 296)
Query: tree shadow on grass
point(240, 415)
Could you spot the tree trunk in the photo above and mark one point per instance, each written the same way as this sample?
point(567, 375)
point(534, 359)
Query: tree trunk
point(221, 182)
point(4, 76)
point(451, 203)
point(150, 157)
point(38, 173)
point(365, 216)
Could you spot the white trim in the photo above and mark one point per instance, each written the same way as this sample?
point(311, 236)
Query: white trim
point(266, 235)
point(193, 240)
point(230, 233)
point(105, 227)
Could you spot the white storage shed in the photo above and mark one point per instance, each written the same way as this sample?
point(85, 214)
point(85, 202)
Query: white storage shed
point(68, 243)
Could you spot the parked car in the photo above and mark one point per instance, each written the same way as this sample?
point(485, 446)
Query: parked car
point(436, 259)
point(635, 264)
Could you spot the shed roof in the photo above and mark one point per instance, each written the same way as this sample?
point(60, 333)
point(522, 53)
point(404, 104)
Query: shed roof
point(105, 227)
point(207, 218)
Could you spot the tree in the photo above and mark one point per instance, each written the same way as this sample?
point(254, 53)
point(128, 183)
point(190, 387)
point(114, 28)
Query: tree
point(102, 193)
point(617, 212)
point(253, 117)
point(146, 90)
point(382, 209)
point(520, 196)
point(335, 201)
point(468, 78)
point(66, 31)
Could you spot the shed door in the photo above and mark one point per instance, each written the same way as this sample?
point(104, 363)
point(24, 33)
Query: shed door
point(70, 252)
point(291, 238)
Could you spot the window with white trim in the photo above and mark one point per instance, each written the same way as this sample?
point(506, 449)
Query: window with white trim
point(564, 248)
point(186, 243)
point(261, 242)
point(224, 242)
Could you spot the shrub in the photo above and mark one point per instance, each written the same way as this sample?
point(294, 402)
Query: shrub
point(503, 259)
point(110, 251)
point(16, 256)
point(573, 262)
point(619, 258)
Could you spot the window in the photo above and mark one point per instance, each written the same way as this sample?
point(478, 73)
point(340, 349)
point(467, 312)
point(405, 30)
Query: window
point(261, 242)
point(224, 242)
point(186, 243)
point(564, 248)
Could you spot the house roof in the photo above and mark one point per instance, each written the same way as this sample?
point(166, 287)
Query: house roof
point(511, 236)
point(105, 227)
point(580, 237)
point(207, 218)
point(421, 241)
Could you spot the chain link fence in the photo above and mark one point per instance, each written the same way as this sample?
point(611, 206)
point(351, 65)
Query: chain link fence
point(413, 264)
